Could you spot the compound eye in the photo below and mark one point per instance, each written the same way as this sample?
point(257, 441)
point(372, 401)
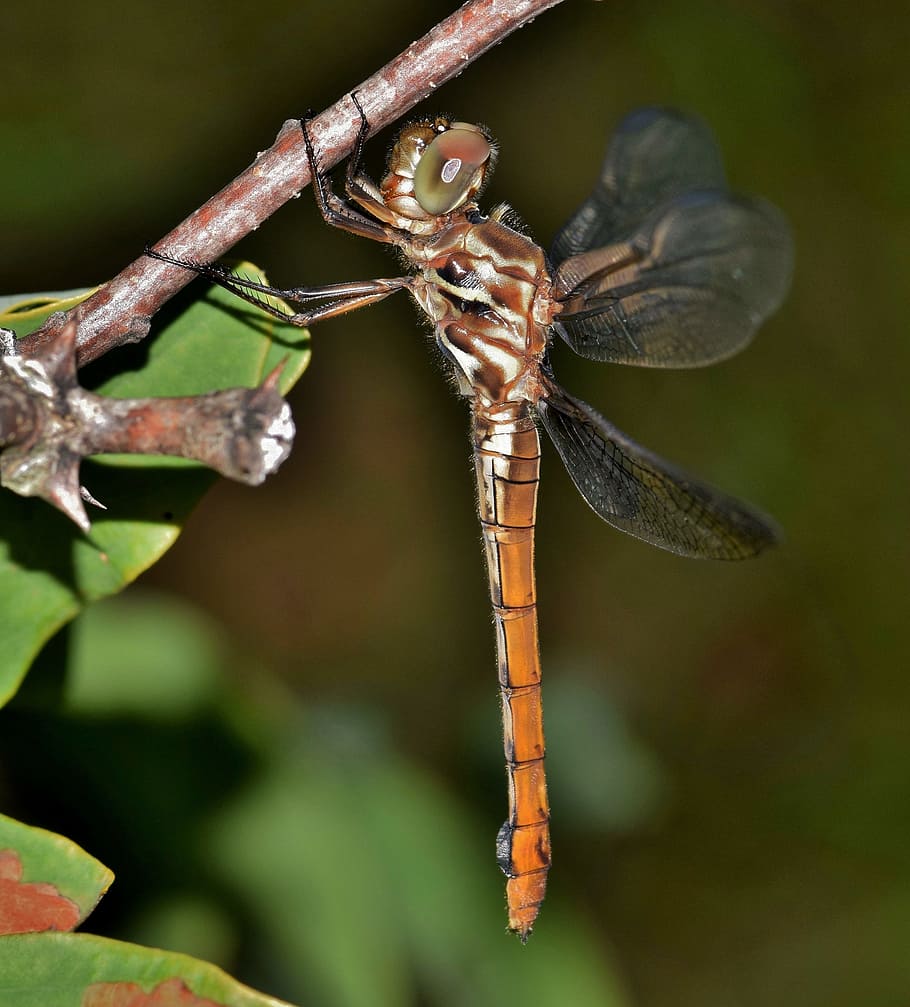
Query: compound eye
point(451, 169)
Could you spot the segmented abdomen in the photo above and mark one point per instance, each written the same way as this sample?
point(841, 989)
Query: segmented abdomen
point(507, 461)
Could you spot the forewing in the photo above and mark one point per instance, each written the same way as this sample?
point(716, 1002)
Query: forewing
point(688, 288)
point(654, 155)
point(641, 494)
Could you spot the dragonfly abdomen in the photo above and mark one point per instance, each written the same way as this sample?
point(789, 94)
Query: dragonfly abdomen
point(507, 461)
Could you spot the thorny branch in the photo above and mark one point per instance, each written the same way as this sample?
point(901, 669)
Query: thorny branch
point(48, 423)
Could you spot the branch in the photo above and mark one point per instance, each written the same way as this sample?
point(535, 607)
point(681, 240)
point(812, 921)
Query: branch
point(121, 311)
point(49, 423)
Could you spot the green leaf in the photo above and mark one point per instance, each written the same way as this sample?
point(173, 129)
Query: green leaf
point(79, 970)
point(145, 654)
point(46, 881)
point(49, 570)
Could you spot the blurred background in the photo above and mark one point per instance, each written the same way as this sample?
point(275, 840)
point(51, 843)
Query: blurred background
point(285, 739)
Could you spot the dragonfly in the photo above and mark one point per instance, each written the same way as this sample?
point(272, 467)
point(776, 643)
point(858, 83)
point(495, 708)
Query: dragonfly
point(660, 266)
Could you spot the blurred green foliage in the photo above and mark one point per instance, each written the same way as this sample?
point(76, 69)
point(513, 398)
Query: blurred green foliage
point(754, 715)
point(246, 828)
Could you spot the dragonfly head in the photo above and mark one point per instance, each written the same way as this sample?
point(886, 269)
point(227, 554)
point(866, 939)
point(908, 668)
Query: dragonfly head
point(436, 166)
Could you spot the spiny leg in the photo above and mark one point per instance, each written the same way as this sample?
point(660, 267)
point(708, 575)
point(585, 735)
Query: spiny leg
point(356, 158)
point(341, 297)
point(358, 185)
point(335, 211)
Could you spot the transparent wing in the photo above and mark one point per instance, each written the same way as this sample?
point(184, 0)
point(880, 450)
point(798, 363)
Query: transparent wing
point(641, 494)
point(654, 155)
point(689, 287)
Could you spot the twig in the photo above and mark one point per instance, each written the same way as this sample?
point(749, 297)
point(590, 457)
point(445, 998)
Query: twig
point(49, 423)
point(121, 311)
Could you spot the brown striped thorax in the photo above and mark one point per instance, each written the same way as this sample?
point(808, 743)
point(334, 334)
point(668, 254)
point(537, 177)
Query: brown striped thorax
point(484, 285)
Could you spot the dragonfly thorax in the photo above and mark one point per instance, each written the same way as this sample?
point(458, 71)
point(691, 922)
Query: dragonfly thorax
point(484, 285)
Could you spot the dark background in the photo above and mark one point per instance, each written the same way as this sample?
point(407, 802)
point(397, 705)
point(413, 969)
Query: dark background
point(728, 743)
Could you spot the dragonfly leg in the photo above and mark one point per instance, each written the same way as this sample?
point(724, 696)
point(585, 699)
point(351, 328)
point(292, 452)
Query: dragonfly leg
point(358, 185)
point(341, 306)
point(354, 161)
point(335, 211)
point(340, 297)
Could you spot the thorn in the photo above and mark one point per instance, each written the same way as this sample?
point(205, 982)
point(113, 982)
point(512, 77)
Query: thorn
point(88, 498)
point(271, 382)
point(65, 496)
point(59, 358)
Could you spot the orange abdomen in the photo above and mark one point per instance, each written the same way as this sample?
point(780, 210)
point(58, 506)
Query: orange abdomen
point(507, 461)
